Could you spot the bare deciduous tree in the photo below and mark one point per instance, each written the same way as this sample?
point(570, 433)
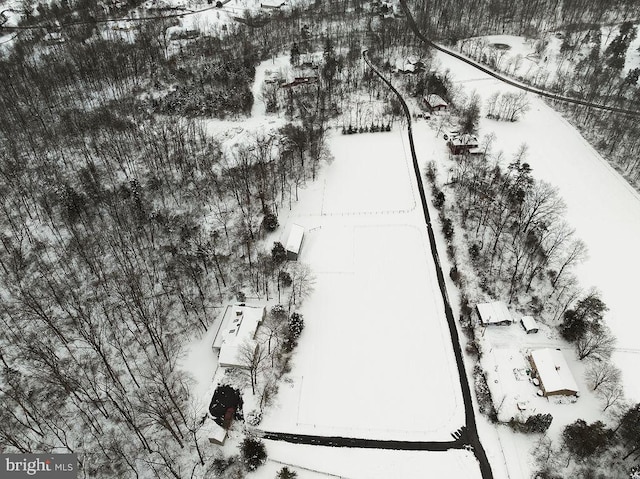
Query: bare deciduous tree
point(597, 343)
point(252, 357)
point(611, 394)
point(602, 373)
point(302, 281)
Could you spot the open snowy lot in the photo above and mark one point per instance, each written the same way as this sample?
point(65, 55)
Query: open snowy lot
point(375, 359)
point(318, 461)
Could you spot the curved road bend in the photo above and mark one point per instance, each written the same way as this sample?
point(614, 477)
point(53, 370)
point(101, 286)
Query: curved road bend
point(471, 429)
point(507, 80)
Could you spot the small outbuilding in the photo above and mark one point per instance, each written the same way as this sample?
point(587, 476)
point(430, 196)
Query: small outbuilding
point(553, 372)
point(529, 324)
point(435, 103)
point(494, 314)
point(294, 243)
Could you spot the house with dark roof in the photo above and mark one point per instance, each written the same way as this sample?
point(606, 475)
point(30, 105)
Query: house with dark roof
point(463, 144)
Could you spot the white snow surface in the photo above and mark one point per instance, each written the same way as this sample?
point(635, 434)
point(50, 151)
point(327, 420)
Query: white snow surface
point(317, 461)
point(602, 206)
point(375, 359)
point(201, 362)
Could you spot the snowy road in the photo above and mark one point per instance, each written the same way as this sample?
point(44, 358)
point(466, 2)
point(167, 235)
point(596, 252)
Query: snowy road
point(471, 430)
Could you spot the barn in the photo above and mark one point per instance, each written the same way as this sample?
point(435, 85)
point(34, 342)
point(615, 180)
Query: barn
point(294, 243)
point(553, 373)
point(494, 314)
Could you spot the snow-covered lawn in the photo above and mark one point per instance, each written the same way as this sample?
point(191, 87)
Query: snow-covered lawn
point(369, 176)
point(375, 359)
point(368, 463)
point(505, 360)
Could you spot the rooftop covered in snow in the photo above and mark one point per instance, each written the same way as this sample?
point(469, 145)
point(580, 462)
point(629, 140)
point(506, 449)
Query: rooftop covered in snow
point(239, 324)
point(529, 324)
point(494, 313)
point(435, 101)
point(553, 372)
point(294, 243)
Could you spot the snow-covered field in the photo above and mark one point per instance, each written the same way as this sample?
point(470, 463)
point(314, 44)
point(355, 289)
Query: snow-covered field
point(375, 359)
point(317, 461)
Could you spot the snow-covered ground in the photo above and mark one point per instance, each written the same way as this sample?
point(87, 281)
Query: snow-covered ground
point(375, 359)
point(602, 207)
point(335, 462)
point(605, 211)
point(519, 57)
point(505, 361)
point(201, 362)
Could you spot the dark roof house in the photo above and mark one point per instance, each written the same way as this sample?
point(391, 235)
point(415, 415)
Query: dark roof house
point(463, 144)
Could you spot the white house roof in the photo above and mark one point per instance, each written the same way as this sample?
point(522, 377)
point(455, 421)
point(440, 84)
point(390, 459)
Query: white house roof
point(239, 324)
point(493, 313)
point(295, 239)
point(553, 370)
point(435, 100)
point(214, 432)
point(529, 323)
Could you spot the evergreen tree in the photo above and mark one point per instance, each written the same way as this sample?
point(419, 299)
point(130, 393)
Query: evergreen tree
point(583, 440)
point(254, 454)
